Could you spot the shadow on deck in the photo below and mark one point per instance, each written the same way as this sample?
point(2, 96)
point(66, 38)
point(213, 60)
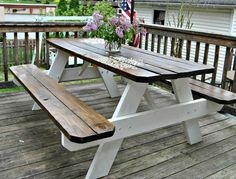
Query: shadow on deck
point(30, 144)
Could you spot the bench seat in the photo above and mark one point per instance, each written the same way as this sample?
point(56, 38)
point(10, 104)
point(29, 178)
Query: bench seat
point(210, 92)
point(75, 119)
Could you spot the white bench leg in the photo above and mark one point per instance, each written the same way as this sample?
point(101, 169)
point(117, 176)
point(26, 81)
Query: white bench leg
point(110, 83)
point(107, 152)
point(183, 94)
point(55, 70)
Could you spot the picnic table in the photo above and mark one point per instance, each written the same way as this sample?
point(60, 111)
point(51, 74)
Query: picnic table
point(140, 68)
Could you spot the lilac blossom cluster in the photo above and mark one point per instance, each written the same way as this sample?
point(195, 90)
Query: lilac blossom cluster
point(95, 23)
point(116, 29)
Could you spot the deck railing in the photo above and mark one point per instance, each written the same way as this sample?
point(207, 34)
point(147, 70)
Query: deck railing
point(18, 51)
point(201, 47)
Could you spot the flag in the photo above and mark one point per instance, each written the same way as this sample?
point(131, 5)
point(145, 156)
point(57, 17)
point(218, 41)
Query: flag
point(126, 12)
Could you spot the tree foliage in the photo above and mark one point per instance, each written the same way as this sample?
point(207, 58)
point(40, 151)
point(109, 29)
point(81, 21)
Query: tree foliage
point(105, 9)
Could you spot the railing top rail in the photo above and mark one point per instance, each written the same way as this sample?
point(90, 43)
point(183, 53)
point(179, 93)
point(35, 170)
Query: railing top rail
point(207, 37)
point(40, 26)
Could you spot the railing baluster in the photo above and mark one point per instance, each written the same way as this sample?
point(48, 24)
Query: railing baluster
point(159, 44)
point(179, 51)
point(227, 65)
point(146, 41)
point(47, 50)
point(75, 34)
point(165, 45)
point(37, 49)
point(67, 35)
point(4, 57)
point(26, 47)
point(216, 60)
point(205, 59)
point(153, 42)
point(141, 41)
point(197, 52)
point(172, 47)
point(15, 48)
point(188, 50)
point(10, 51)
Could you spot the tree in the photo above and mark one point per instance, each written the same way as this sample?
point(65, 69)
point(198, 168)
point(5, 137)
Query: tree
point(74, 4)
point(62, 6)
point(105, 9)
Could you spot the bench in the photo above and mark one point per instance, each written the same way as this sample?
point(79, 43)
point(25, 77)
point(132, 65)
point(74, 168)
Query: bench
point(210, 92)
point(77, 121)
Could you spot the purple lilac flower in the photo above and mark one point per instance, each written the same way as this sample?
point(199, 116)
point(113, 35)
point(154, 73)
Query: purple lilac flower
point(125, 24)
point(119, 32)
point(114, 20)
point(97, 17)
point(90, 26)
point(86, 28)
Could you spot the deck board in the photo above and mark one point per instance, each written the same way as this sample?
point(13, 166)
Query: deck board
point(30, 143)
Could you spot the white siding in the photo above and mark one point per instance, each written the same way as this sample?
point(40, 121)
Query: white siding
point(204, 19)
point(233, 25)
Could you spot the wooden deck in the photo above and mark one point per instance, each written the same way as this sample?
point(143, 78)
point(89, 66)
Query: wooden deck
point(30, 144)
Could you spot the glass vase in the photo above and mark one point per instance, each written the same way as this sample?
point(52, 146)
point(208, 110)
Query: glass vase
point(112, 47)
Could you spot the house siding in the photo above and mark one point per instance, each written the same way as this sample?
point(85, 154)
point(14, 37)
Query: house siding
point(204, 19)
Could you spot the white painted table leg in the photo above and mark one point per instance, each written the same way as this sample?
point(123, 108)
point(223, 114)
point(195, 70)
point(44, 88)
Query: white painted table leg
point(107, 152)
point(110, 83)
point(183, 94)
point(149, 100)
point(55, 70)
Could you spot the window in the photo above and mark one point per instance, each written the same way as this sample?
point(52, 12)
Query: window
point(159, 17)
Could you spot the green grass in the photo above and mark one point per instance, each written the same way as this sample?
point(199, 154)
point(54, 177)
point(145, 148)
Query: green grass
point(10, 90)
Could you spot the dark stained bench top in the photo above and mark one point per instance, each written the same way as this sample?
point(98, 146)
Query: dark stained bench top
point(76, 120)
point(212, 93)
point(149, 66)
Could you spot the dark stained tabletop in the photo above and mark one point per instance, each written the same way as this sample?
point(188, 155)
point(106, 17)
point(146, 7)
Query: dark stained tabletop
point(133, 63)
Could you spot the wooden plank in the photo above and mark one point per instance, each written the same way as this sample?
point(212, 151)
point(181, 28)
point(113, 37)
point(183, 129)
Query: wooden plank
point(37, 60)
point(131, 72)
point(146, 41)
point(152, 42)
point(188, 50)
point(205, 59)
point(76, 120)
point(212, 93)
point(181, 68)
point(165, 45)
point(26, 48)
point(197, 52)
point(159, 43)
point(4, 57)
point(172, 47)
point(228, 172)
point(141, 41)
point(227, 66)
point(180, 48)
point(216, 61)
point(15, 49)
point(47, 51)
